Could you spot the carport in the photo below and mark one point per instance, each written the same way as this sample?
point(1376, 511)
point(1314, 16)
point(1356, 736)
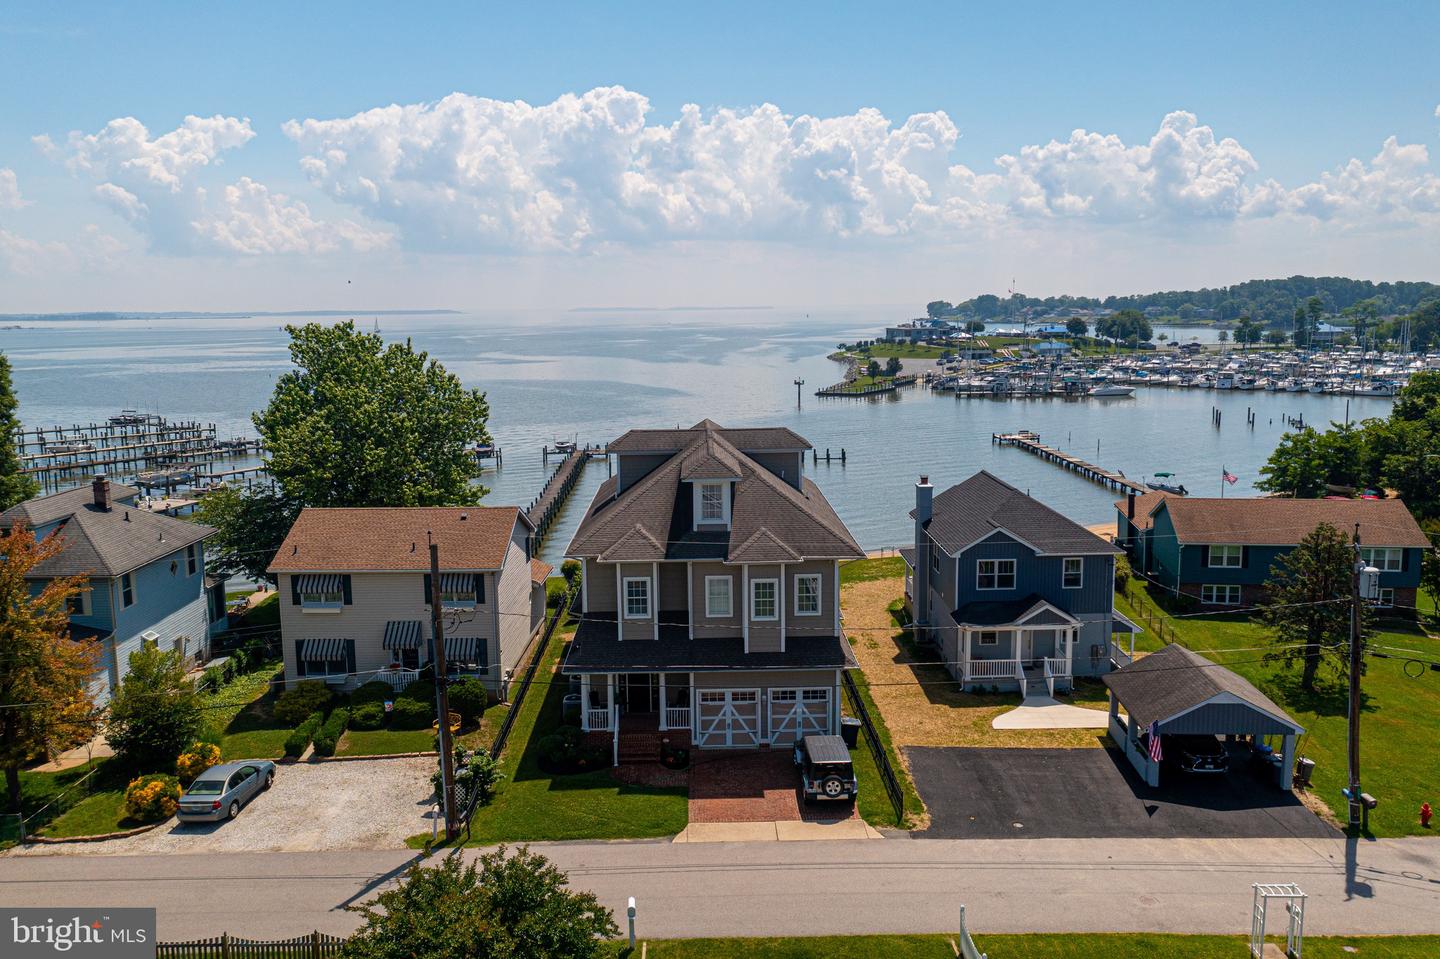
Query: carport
point(1177, 691)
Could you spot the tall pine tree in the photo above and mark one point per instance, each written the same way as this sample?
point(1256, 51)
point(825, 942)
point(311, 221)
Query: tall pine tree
point(15, 486)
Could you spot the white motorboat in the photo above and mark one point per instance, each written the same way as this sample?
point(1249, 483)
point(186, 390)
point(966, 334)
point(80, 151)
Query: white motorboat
point(1111, 389)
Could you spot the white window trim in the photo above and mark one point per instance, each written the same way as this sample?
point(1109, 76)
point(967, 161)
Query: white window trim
point(756, 617)
point(997, 574)
point(1380, 599)
point(192, 559)
point(1063, 574)
point(625, 596)
point(819, 595)
point(729, 582)
point(134, 590)
point(994, 635)
point(699, 494)
point(1368, 554)
point(83, 595)
point(1218, 589)
point(1239, 556)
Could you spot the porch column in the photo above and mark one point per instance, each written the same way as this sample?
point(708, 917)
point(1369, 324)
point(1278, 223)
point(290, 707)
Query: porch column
point(585, 702)
point(663, 727)
point(782, 608)
point(585, 586)
point(1287, 762)
point(836, 588)
point(745, 604)
point(835, 707)
point(694, 710)
point(964, 654)
point(690, 600)
point(610, 703)
point(619, 601)
point(655, 596)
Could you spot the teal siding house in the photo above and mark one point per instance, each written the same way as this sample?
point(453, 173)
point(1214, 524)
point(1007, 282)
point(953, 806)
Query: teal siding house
point(1222, 551)
point(1010, 591)
point(146, 574)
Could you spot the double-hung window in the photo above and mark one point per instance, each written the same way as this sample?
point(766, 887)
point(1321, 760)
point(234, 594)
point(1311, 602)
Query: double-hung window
point(807, 594)
point(78, 603)
point(1387, 559)
point(321, 593)
point(1220, 595)
point(995, 574)
point(1226, 557)
point(718, 602)
point(712, 502)
point(987, 637)
point(1072, 573)
point(192, 559)
point(764, 599)
point(1386, 598)
point(637, 597)
point(127, 590)
point(458, 590)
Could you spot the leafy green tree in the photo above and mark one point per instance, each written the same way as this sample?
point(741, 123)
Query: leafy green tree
point(1076, 327)
point(45, 702)
point(251, 523)
point(503, 907)
point(975, 326)
point(155, 714)
point(1223, 336)
point(15, 486)
point(359, 423)
point(892, 366)
point(1430, 569)
point(1275, 338)
point(987, 306)
point(872, 369)
point(1308, 612)
point(1294, 467)
point(938, 308)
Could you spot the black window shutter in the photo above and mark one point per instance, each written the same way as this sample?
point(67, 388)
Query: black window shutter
point(1405, 560)
point(294, 590)
point(479, 589)
point(350, 655)
point(1244, 557)
point(427, 589)
point(1204, 556)
point(299, 660)
point(345, 585)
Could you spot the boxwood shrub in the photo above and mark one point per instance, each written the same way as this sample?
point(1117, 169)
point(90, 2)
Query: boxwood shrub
point(375, 691)
point(411, 714)
point(368, 716)
point(298, 739)
point(308, 696)
point(331, 732)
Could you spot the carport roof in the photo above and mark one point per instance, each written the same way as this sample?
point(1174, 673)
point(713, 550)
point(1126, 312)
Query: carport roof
point(1165, 685)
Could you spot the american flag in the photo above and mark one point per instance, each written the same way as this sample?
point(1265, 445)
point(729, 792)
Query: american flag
point(1154, 744)
point(1228, 476)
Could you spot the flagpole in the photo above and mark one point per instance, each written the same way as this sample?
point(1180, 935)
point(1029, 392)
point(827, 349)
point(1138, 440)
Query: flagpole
point(1223, 471)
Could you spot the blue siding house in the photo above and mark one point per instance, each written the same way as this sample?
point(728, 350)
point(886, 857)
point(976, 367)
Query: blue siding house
point(1223, 551)
point(146, 574)
point(1011, 592)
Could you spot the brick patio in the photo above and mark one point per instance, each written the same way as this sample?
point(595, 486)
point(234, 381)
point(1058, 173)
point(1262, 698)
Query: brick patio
point(753, 787)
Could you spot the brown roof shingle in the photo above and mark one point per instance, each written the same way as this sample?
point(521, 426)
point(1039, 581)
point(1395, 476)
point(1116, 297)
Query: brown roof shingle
point(375, 539)
point(1265, 521)
point(1144, 505)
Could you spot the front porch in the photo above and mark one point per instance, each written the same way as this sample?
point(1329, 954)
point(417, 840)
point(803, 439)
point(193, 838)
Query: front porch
point(634, 702)
point(1034, 653)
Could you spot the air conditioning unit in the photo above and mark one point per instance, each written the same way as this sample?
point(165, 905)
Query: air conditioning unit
point(150, 637)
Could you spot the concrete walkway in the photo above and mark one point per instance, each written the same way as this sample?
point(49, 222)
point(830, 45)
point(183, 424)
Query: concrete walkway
point(777, 831)
point(1042, 712)
point(97, 748)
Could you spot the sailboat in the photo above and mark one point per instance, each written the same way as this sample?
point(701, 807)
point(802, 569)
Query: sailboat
point(1163, 483)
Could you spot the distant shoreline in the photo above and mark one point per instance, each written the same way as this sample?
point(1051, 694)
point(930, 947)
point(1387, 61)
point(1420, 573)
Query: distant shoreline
point(105, 316)
point(665, 309)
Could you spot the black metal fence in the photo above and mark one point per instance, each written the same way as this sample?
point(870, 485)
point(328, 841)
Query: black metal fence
point(877, 748)
point(314, 946)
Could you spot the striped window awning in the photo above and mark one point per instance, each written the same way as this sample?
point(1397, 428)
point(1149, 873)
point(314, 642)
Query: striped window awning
point(464, 649)
point(319, 583)
point(328, 649)
point(457, 582)
point(402, 634)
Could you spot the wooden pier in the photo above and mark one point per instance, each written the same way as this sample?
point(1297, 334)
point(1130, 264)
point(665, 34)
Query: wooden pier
point(547, 505)
point(1030, 443)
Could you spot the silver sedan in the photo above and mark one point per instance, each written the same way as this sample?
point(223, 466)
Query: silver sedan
point(220, 791)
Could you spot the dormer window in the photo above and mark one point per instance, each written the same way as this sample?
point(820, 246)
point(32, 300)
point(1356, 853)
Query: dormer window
point(712, 503)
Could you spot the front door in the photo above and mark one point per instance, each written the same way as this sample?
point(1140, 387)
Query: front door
point(642, 692)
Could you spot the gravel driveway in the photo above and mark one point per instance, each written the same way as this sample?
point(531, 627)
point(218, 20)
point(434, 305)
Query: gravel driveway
point(357, 804)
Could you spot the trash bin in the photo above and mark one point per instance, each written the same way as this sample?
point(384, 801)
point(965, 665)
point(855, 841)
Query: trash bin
point(850, 731)
point(1304, 769)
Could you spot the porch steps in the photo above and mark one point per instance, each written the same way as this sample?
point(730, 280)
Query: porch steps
point(642, 747)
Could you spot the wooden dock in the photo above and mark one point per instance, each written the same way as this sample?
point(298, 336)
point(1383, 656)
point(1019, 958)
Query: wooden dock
point(546, 507)
point(1030, 443)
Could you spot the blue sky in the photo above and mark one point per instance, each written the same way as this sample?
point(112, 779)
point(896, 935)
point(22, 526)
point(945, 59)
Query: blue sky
point(549, 209)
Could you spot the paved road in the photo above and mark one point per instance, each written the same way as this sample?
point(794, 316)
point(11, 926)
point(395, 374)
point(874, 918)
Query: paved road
point(1057, 885)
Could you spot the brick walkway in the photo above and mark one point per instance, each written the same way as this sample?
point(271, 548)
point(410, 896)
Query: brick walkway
point(753, 787)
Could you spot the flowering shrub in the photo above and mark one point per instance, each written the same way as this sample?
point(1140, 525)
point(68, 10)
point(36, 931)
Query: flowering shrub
point(152, 798)
point(196, 760)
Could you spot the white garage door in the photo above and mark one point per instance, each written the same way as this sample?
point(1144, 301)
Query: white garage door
point(798, 712)
point(729, 717)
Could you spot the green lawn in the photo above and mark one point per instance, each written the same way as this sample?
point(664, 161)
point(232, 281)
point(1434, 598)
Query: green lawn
point(874, 802)
point(241, 712)
point(96, 814)
point(50, 795)
point(1400, 724)
point(533, 805)
point(865, 570)
point(905, 351)
point(862, 383)
point(1063, 946)
point(385, 742)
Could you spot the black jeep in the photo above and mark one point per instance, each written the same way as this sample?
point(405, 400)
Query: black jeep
point(826, 771)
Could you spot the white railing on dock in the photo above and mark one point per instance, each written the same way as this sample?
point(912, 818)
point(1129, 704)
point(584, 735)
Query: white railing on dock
point(597, 719)
point(398, 678)
point(993, 669)
point(677, 717)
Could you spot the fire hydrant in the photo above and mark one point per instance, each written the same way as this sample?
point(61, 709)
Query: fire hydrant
point(1425, 814)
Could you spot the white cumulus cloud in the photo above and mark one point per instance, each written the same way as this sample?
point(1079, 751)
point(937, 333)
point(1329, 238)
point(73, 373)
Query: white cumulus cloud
point(10, 198)
point(154, 183)
point(1396, 185)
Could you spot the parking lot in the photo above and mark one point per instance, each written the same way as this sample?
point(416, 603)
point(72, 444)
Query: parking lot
point(1095, 793)
point(361, 804)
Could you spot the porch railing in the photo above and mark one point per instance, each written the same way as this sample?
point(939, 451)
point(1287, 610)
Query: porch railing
point(677, 717)
point(597, 720)
point(398, 679)
point(1057, 666)
point(993, 669)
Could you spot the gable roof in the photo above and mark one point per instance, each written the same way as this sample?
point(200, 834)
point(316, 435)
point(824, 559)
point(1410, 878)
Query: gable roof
point(984, 504)
point(394, 538)
point(1163, 685)
point(115, 541)
point(756, 439)
point(1266, 521)
point(770, 520)
point(1034, 609)
point(1145, 505)
point(40, 510)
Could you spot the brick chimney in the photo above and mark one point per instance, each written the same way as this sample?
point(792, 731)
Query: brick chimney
point(1130, 505)
point(924, 498)
point(100, 486)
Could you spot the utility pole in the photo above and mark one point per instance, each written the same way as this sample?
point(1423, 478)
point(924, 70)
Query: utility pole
point(798, 383)
point(442, 697)
point(1363, 583)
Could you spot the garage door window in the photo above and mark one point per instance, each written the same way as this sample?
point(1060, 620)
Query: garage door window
point(712, 697)
point(782, 695)
point(1220, 595)
point(816, 695)
point(744, 696)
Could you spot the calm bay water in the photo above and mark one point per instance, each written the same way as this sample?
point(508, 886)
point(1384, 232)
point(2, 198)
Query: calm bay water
point(591, 376)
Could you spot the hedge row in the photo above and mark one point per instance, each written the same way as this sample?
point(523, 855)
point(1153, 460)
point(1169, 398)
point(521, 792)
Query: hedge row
point(296, 742)
point(331, 732)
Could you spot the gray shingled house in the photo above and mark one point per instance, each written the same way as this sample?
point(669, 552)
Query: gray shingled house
point(711, 591)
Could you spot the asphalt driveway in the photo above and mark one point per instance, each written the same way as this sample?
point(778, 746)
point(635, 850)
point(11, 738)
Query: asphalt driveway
point(1093, 793)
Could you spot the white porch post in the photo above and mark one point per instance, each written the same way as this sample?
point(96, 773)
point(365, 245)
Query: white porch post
point(584, 700)
point(745, 604)
point(694, 710)
point(964, 648)
point(655, 596)
point(585, 586)
point(619, 601)
point(690, 600)
point(610, 720)
point(835, 707)
point(783, 619)
point(836, 587)
point(663, 704)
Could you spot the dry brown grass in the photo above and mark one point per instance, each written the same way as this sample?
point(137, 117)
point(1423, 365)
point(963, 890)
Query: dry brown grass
point(922, 704)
